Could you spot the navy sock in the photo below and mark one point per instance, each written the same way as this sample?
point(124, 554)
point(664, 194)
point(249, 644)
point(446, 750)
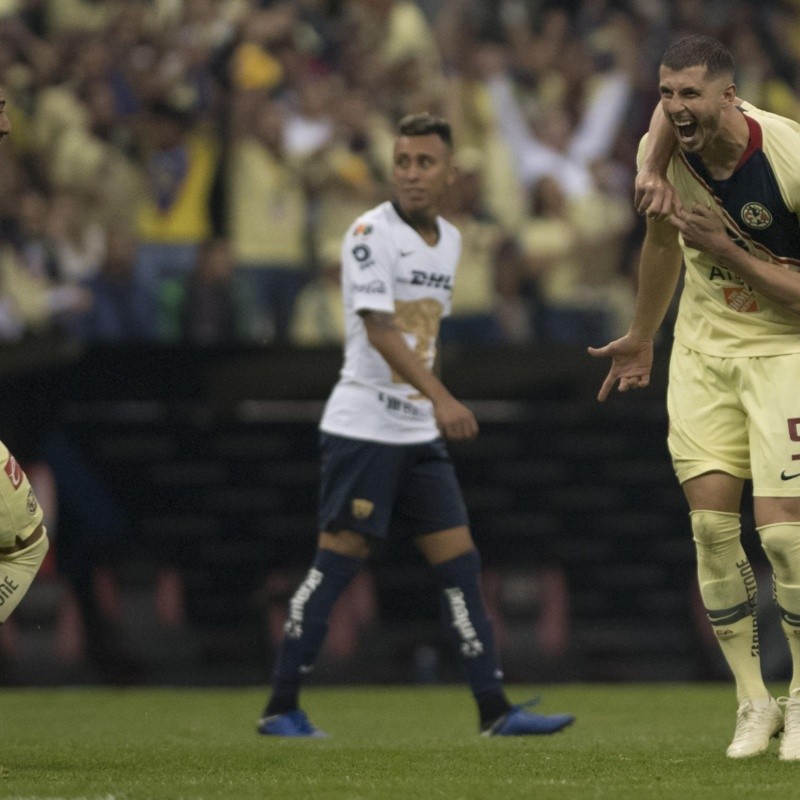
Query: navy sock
point(307, 624)
point(466, 616)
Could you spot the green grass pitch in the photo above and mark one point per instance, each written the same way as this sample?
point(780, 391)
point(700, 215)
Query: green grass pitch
point(629, 743)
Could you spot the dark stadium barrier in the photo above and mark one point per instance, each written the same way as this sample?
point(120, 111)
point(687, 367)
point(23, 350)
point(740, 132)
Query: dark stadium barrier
point(211, 455)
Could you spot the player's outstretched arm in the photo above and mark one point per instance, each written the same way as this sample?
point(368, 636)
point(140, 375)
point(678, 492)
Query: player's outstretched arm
point(454, 419)
point(631, 362)
point(659, 268)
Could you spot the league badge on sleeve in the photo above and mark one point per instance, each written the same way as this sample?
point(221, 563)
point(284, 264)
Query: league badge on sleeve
point(14, 472)
point(363, 255)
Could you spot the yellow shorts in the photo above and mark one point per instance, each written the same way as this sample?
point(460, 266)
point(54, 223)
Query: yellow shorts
point(736, 415)
point(20, 512)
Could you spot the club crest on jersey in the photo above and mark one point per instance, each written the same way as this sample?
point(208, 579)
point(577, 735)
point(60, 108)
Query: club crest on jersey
point(756, 215)
point(362, 508)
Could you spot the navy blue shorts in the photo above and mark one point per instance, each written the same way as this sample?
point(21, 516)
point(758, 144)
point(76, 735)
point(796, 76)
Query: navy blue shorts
point(376, 489)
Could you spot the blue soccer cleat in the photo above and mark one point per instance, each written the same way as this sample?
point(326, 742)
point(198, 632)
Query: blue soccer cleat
point(290, 723)
point(519, 722)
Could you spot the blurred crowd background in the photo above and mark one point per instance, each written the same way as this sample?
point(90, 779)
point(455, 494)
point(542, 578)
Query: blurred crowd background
point(183, 170)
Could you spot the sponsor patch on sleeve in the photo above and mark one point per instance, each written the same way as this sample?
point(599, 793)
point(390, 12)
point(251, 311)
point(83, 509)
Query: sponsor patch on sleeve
point(14, 472)
point(373, 287)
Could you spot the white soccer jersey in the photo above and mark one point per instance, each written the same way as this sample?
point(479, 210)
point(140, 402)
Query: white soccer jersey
point(387, 266)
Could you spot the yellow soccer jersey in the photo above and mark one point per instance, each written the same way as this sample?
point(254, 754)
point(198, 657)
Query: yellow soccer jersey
point(20, 512)
point(267, 208)
point(719, 313)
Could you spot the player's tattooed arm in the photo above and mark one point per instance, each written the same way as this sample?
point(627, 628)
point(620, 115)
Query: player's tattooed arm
point(455, 420)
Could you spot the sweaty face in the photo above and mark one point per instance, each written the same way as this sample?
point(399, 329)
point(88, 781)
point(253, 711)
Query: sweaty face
point(422, 173)
point(693, 102)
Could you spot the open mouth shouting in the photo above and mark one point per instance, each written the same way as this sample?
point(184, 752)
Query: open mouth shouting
point(686, 128)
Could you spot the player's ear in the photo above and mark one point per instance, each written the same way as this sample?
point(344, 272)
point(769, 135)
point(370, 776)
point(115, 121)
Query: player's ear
point(729, 95)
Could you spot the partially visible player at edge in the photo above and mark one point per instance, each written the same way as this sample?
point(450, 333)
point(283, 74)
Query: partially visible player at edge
point(727, 202)
point(23, 538)
point(385, 467)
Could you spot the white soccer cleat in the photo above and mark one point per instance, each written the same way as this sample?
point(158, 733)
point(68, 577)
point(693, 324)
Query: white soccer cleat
point(790, 743)
point(756, 723)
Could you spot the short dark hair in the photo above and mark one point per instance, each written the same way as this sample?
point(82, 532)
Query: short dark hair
point(424, 125)
point(699, 51)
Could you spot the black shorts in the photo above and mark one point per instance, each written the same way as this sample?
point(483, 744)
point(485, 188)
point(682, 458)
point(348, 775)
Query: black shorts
point(376, 489)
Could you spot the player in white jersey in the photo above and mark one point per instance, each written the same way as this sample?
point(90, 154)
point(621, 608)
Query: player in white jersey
point(23, 539)
point(388, 268)
point(732, 214)
point(385, 467)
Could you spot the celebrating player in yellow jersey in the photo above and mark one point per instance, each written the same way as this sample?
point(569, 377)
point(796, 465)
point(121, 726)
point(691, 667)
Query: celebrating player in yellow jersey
point(23, 540)
point(728, 206)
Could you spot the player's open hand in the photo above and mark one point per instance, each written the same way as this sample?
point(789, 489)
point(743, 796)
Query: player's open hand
point(654, 196)
point(702, 229)
point(631, 362)
point(454, 419)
